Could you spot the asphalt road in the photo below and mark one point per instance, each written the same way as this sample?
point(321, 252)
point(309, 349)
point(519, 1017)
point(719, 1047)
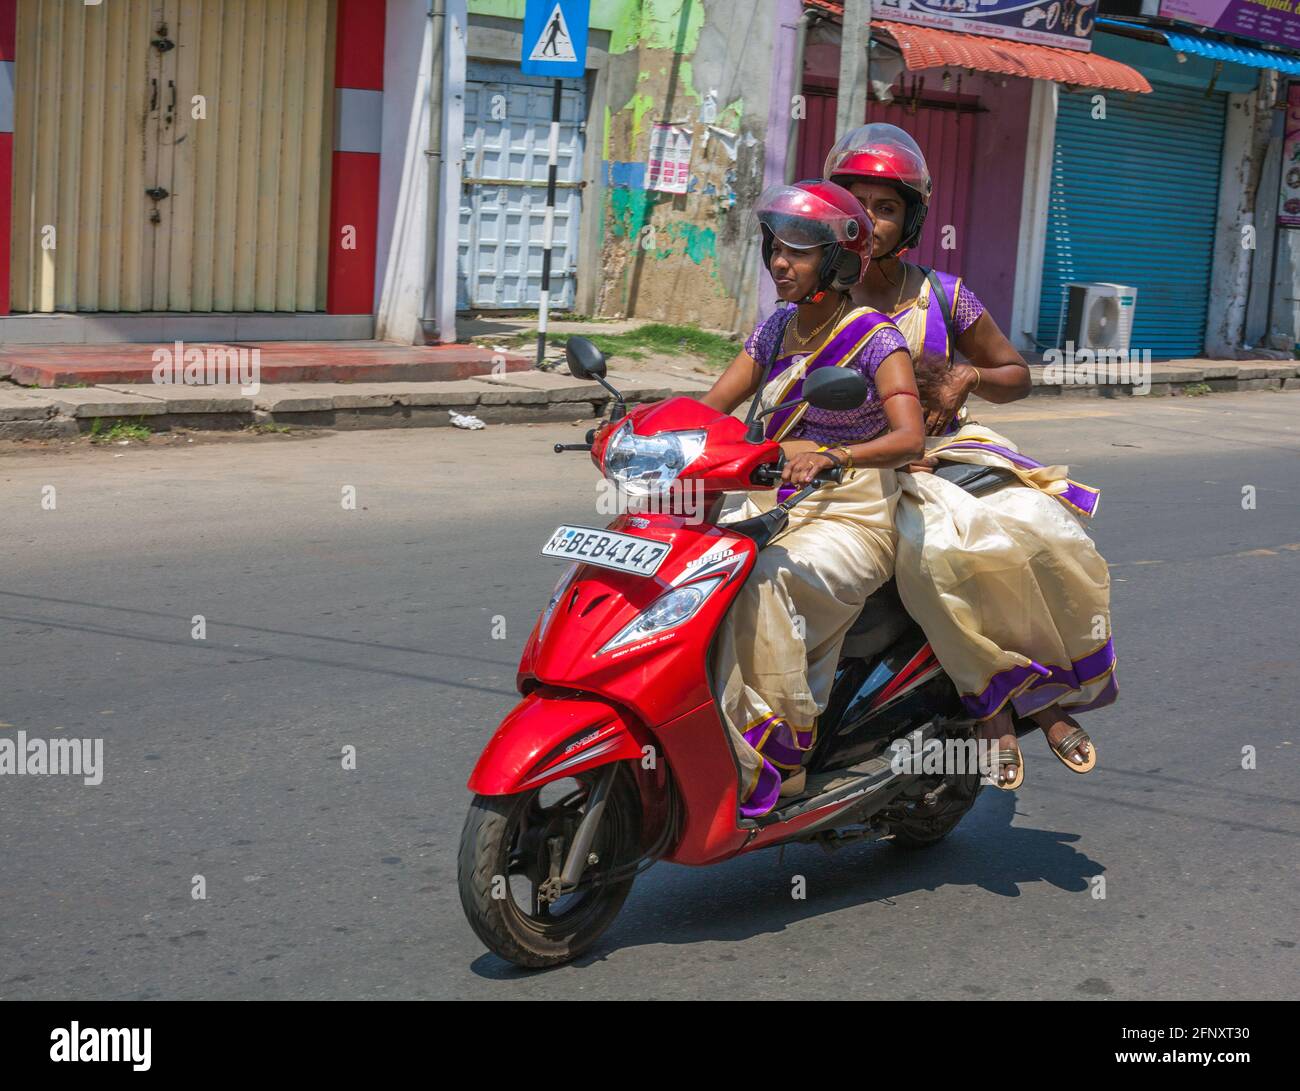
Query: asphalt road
point(373, 627)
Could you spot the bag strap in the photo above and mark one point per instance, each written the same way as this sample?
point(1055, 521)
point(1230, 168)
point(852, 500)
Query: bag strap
point(945, 304)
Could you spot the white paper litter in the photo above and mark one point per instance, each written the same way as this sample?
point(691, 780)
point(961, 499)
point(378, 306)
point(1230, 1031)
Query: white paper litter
point(464, 420)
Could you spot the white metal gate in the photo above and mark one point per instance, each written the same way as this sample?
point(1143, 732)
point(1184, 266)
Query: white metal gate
point(503, 194)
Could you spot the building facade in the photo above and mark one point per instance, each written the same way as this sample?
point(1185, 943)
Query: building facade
point(302, 169)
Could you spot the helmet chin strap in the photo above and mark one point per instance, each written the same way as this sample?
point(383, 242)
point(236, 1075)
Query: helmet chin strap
point(825, 276)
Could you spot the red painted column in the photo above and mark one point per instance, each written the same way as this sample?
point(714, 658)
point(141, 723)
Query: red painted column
point(358, 117)
point(8, 33)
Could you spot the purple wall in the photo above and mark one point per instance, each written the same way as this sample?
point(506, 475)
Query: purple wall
point(777, 139)
point(997, 191)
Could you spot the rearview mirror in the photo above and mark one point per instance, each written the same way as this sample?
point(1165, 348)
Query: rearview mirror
point(835, 388)
point(586, 361)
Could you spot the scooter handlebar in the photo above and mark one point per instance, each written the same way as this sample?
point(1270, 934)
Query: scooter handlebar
point(770, 474)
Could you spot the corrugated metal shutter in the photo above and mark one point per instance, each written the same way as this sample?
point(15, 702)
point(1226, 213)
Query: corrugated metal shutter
point(503, 191)
point(1133, 201)
point(101, 117)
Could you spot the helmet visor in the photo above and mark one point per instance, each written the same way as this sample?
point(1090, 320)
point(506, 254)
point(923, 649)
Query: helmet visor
point(880, 151)
point(803, 220)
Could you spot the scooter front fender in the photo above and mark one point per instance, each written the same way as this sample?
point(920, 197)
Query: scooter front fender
point(552, 734)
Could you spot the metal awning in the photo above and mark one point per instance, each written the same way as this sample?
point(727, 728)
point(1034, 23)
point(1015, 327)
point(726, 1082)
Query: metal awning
point(926, 47)
point(1224, 51)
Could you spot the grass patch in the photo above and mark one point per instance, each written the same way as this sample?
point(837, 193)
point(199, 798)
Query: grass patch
point(714, 349)
point(1196, 390)
point(119, 430)
point(261, 428)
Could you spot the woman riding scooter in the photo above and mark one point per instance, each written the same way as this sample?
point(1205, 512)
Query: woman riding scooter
point(1008, 587)
point(779, 645)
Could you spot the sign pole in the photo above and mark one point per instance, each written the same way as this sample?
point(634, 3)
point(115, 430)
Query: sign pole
point(554, 44)
point(548, 228)
point(855, 42)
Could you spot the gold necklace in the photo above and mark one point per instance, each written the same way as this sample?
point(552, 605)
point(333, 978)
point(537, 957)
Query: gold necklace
point(801, 339)
point(902, 286)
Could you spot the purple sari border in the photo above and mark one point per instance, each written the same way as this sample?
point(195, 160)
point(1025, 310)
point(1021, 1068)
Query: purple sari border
point(767, 789)
point(780, 746)
point(1107, 696)
point(1082, 497)
point(1022, 680)
point(838, 350)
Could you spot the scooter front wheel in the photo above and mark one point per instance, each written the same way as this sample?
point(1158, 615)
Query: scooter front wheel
point(513, 845)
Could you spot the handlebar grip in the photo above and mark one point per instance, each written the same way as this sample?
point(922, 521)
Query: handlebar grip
point(833, 476)
point(770, 472)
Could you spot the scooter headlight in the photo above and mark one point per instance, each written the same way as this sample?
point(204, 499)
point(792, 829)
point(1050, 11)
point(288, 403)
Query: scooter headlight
point(664, 613)
point(645, 465)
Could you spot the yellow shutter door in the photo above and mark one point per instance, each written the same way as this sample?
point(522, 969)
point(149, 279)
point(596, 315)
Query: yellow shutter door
point(232, 118)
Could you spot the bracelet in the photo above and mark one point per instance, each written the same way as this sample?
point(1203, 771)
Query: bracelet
point(848, 456)
point(827, 452)
point(977, 378)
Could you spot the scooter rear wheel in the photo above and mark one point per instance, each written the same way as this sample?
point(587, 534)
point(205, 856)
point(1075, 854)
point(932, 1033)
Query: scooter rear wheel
point(925, 827)
point(506, 852)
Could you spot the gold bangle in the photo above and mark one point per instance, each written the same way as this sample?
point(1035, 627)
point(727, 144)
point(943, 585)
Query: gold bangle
point(848, 456)
point(977, 378)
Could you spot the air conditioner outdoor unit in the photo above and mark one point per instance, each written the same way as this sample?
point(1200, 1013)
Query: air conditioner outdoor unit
point(1097, 315)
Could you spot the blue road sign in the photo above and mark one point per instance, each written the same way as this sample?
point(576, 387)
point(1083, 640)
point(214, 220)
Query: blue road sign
point(555, 37)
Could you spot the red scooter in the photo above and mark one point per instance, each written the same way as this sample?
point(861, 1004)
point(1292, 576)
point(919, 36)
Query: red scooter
point(617, 755)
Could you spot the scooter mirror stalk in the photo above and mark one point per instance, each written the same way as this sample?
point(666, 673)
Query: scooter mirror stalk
point(834, 388)
point(586, 361)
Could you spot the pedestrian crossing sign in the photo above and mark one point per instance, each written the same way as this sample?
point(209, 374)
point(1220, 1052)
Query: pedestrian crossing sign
point(555, 37)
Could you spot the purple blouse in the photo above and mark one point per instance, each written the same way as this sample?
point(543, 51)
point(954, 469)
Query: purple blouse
point(966, 309)
point(833, 427)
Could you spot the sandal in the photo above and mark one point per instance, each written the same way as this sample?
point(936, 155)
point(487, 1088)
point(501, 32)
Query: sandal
point(1007, 757)
point(793, 785)
point(1072, 741)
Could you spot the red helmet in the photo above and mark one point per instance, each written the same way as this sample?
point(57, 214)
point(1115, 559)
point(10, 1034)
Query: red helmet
point(818, 213)
point(885, 153)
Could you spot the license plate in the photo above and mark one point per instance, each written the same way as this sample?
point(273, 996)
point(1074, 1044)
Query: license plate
point(607, 548)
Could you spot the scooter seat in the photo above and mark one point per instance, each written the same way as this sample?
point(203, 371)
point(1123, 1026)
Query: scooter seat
point(974, 478)
point(881, 622)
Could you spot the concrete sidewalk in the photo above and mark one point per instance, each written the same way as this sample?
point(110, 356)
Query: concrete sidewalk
point(522, 396)
point(56, 366)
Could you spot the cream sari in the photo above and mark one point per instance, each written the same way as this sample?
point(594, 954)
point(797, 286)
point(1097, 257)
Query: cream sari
point(779, 644)
point(1008, 587)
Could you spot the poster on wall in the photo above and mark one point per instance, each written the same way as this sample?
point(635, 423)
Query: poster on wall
point(1066, 24)
point(1289, 206)
point(1275, 21)
point(668, 168)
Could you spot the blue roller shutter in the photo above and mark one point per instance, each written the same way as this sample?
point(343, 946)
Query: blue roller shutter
point(1133, 201)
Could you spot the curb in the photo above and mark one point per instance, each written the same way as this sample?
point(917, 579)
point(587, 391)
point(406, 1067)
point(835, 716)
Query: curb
point(512, 398)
